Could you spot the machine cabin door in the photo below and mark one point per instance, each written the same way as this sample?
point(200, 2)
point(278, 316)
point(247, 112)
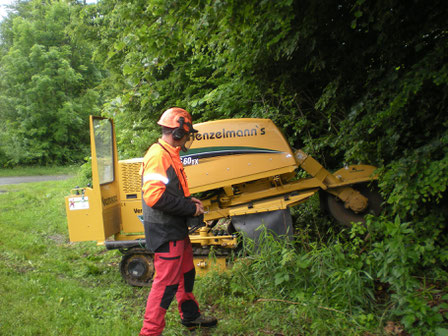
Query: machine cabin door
point(94, 213)
point(105, 175)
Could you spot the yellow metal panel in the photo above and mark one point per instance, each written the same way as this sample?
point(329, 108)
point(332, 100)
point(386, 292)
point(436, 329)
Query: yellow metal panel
point(235, 180)
point(129, 177)
point(112, 217)
point(129, 236)
point(130, 210)
point(355, 174)
point(84, 217)
point(203, 264)
point(275, 203)
point(204, 238)
point(227, 152)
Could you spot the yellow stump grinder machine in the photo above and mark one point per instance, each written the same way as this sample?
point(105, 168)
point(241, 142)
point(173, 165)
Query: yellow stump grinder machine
point(244, 172)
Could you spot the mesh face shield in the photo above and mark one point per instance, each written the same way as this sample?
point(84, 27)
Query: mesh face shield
point(188, 143)
point(190, 139)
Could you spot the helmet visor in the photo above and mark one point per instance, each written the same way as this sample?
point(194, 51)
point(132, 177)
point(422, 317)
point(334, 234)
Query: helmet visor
point(188, 143)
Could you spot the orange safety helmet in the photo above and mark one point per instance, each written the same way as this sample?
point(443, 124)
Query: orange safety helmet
point(172, 118)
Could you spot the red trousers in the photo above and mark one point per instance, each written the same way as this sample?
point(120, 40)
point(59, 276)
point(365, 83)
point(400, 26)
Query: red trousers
point(175, 273)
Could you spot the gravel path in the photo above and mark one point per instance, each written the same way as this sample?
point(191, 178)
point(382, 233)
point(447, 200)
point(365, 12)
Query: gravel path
point(26, 179)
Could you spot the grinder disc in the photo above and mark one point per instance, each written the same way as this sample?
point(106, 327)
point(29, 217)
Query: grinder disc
point(345, 216)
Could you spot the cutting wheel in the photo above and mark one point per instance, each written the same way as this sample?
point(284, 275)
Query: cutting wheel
point(137, 267)
point(345, 216)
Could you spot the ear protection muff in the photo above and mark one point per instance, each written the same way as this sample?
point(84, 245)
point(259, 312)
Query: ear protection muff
point(179, 132)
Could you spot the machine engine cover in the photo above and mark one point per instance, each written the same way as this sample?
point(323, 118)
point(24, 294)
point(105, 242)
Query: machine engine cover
point(233, 151)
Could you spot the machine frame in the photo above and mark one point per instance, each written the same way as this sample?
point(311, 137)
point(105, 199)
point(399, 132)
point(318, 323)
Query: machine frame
point(250, 172)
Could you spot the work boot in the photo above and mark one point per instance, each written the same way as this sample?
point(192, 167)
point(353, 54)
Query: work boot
point(202, 321)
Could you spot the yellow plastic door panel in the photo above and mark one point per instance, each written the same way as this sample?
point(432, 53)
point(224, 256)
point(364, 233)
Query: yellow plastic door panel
point(95, 213)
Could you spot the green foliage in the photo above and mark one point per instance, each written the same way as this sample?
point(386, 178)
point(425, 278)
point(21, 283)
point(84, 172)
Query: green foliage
point(399, 253)
point(306, 288)
point(46, 87)
point(313, 226)
point(331, 275)
point(420, 178)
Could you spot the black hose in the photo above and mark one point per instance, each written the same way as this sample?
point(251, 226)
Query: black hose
point(124, 244)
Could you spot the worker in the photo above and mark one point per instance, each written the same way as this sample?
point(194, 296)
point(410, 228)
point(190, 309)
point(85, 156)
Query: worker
point(167, 205)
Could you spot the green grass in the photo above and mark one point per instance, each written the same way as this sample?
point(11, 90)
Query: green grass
point(33, 171)
point(50, 286)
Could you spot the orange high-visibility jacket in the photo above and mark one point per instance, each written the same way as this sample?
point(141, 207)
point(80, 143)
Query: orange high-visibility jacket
point(166, 202)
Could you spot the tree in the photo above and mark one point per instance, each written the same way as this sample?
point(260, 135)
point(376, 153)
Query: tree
point(47, 87)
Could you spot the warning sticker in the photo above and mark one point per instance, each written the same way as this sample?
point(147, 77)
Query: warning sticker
point(78, 203)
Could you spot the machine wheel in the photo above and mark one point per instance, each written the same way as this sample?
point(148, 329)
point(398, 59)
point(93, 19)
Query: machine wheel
point(137, 267)
point(346, 216)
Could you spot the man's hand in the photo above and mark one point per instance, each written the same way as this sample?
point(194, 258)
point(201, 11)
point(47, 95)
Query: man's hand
point(195, 200)
point(199, 206)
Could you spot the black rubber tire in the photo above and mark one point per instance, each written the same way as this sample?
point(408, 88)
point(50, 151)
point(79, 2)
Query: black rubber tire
point(137, 267)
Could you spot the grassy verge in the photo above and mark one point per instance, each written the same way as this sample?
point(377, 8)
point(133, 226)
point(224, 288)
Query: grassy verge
point(35, 171)
point(50, 286)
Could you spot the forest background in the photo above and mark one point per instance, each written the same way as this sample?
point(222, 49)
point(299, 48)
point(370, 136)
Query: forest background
point(347, 81)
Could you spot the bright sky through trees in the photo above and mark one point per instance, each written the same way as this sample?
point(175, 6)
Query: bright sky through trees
point(5, 3)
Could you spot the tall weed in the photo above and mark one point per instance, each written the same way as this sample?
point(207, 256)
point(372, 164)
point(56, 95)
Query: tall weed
point(405, 259)
point(318, 284)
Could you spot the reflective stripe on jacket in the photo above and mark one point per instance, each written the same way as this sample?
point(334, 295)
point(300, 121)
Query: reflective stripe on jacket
point(165, 195)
